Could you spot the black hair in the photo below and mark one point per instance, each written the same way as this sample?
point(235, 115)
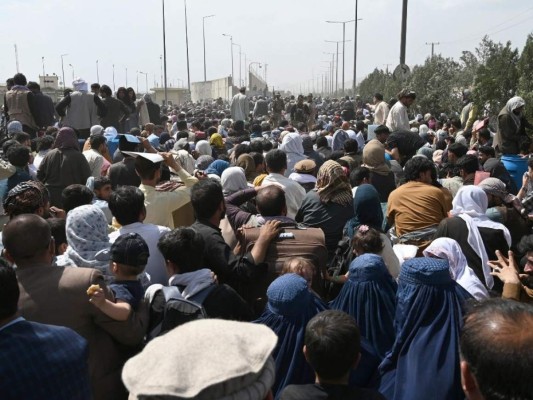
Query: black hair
point(33, 85)
point(95, 86)
point(96, 141)
point(124, 145)
point(20, 79)
point(526, 244)
point(457, 149)
point(499, 332)
point(241, 149)
point(45, 142)
point(378, 96)
point(126, 204)
point(58, 230)
point(181, 125)
point(256, 146)
point(456, 122)
point(484, 133)
point(360, 125)
point(21, 137)
point(18, 155)
point(351, 146)
point(76, 195)
point(258, 158)
point(368, 240)
point(276, 161)
point(146, 168)
point(267, 145)
point(468, 163)
point(336, 155)
point(381, 129)
point(270, 201)
point(107, 90)
point(100, 182)
point(9, 290)
point(333, 344)
point(183, 247)
point(488, 150)
point(206, 197)
point(18, 230)
point(358, 175)
point(256, 128)
point(415, 166)
point(321, 141)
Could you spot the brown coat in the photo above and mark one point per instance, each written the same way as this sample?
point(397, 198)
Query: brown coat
point(57, 296)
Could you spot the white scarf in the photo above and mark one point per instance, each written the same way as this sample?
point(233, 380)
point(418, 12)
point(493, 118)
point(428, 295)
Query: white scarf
point(194, 282)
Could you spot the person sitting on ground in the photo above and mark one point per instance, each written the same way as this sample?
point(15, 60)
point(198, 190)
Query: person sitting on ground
point(332, 346)
point(59, 233)
point(359, 176)
point(129, 255)
point(101, 187)
point(75, 196)
point(468, 165)
point(352, 154)
point(18, 156)
point(497, 332)
point(305, 174)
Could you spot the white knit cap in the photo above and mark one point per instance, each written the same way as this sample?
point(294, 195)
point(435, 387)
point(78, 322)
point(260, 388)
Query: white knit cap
point(97, 129)
point(205, 359)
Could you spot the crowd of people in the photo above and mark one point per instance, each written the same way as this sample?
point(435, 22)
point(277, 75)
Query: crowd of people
point(263, 248)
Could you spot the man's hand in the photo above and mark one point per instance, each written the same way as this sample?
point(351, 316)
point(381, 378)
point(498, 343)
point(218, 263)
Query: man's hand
point(170, 161)
point(270, 230)
point(58, 213)
point(200, 175)
point(505, 268)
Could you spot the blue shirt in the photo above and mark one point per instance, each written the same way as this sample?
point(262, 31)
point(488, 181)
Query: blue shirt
point(131, 292)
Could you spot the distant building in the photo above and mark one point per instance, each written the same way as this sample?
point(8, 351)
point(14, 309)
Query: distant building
point(49, 82)
point(174, 95)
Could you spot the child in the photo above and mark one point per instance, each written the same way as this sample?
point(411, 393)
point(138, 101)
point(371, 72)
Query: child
point(299, 266)
point(129, 255)
point(57, 226)
point(19, 157)
point(101, 187)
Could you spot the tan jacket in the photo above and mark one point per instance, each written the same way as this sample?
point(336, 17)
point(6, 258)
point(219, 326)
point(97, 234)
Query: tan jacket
point(18, 108)
point(57, 296)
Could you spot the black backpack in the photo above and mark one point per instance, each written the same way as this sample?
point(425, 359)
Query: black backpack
point(339, 266)
point(169, 309)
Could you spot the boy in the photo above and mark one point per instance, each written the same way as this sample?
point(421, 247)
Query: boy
point(19, 157)
point(129, 255)
point(332, 348)
point(101, 187)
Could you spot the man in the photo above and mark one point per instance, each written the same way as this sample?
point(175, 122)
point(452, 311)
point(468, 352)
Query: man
point(417, 207)
point(20, 105)
point(276, 165)
point(322, 147)
point(260, 108)
point(209, 207)
point(38, 361)
point(127, 206)
point(312, 112)
point(154, 111)
point(360, 135)
point(46, 113)
point(240, 106)
point(117, 111)
point(57, 296)
point(333, 349)
point(382, 133)
point(381, 110)
point(278, 106)
point(455, 152)
point(351, 154)
point(512, 126)
point(80, 110)
point(299, 112)
point(398, 120)
point(468, 165)
point(469, 111)
point(95, 88)
point(160, 205)
point(123, 172)
point(497, 332)
point(94, 154)
point(489, 163)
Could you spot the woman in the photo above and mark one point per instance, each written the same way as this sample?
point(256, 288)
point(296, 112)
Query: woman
point(477, 235)
point(223, 128)
point(203, 162)
point(424, 360)
point(381, 176)
point(216, 168)
point(88, 240)
point(233, 180)
point(132, 120)
point(247, 163)
point(329, 205)
point(217, 144)
point(293, 147)
point(290, 307)
point(64, 165)
point(448, 249)
point(369, 295)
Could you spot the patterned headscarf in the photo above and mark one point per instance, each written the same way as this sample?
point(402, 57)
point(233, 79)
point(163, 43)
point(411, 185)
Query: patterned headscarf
point(26, 198)
point(332, 184)
point(66, 139)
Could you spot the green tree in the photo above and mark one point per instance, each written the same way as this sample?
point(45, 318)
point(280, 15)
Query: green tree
point(525, 72)
point(378, 81)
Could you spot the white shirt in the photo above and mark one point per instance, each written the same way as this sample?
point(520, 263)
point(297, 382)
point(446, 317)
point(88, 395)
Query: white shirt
point(294, 192)
point(351, 133)
point(360, 141)
point(381, 113)
point(398, 118)
point(95, 160)
point(151, 234)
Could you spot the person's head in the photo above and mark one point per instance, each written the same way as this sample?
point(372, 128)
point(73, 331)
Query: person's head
point(367, 240)
point(105, 91)
point(181, 249)
point(126, 204)
point(102, 187)
point(484, 136)
point(525, 246)
point(129, 256)
point(98, 143)
point(20, 79)
point(351, 146)
point(9, 292)
point(76, 195)
point(181, 125)
point(29, 197)
point(377, 98)
point(241, 149)
point(496, 192)
point(530, 168)
point(9, 83)
point(419, 169)
point(484, 153)
point(359, 176)
point(34, 87)
point(467, 165)
point(454, 125)
point(360, 126)
point(148, 170)
point(321, 142)
point(271, 201)
point(45, 143)
point(456, 151)
point(259, 161)
point(207, 200)
point(95, 88)
point(382, 133)
point(299, 266)
point(332, 345)
point(59, 233)
point(23, 138)
point(242, 90)
point(497, 332)
point(23, 252)
point(276, 161)
point(18, 156)
point(407, 97)
point(131, 94)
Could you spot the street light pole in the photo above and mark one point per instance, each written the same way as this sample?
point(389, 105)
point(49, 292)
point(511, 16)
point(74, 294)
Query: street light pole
point(161, 62)
point(63, 69)
point(97, 73)
point(343, 42)
point(146, 78)
point(71, 66)
point(240, 63)
point(164, 53)
point(113, 77)
point(231, 46)
point(137, 76)
point(187, 48)
point(203, 32)
point(42, 59)
point(354, 83)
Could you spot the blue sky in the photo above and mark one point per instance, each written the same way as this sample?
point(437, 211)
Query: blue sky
point(287, 35)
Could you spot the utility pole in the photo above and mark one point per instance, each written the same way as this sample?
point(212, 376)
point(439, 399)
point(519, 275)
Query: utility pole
point(187, 47)
point(44, 83)
point(17, 58)
point(164, 52)
point(404, 32)
point(203, 34)
point(113, 77)
point(266, 65)
point(432, 44)
point(354, 83)
point(387, 66)
point(97, 73)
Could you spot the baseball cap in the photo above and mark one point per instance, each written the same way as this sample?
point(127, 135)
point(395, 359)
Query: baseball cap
point(130, 249)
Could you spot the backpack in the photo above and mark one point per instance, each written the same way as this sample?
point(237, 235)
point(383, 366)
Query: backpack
point(175, 311)
point(339, 266)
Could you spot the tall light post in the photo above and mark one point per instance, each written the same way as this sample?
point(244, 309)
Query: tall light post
point(164, 52)
point(187, 48)
point(337, 62)
point(63, 69)
point(161, 62)
point(250, 70)
point(42, 59)
point(332, 68)
point(71, 66)
point(231, 46)
point(343, 42)
point(203, 33)
point(354, 83)
point(146, 77)
point(113, 77)
point(240, 63)
point(97, 73)
point(137, 76)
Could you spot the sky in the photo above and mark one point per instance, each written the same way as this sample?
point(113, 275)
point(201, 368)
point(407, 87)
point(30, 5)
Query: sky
point(287, 35)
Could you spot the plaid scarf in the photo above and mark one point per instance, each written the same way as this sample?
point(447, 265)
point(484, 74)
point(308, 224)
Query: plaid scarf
point(332, 184)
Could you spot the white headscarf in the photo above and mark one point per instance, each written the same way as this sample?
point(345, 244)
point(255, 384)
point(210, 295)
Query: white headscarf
point(204, 148)
point(80, 85)
point(292, 145)
point(513, 104)
point(449, 249)
point(470, 204)
point(233, 179)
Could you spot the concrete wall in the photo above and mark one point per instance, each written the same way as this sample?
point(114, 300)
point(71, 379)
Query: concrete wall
point(212, 89)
